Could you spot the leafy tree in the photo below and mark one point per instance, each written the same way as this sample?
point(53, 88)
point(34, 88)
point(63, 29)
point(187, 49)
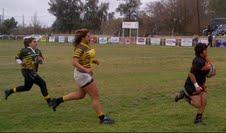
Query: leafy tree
point(8, 26)
point(67, 13)
point(129, 9)
point(218, 7)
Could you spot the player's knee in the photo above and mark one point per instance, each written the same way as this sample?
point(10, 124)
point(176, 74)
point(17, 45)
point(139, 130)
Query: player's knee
point(196, 104)
point(27, 87)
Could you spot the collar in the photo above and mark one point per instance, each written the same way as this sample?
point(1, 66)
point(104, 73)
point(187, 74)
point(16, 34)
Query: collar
point(32, 49)
point(86, 45)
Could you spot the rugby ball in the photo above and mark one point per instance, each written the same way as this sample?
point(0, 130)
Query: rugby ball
point(212, 71)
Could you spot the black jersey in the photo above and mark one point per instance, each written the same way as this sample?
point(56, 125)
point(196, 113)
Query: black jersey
point(29, 58)
point(196, 69)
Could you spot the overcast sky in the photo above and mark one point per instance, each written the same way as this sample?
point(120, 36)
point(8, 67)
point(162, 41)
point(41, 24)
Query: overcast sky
point(18, 8)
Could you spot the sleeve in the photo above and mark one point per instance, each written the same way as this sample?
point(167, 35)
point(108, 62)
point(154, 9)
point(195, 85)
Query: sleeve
point(19, 55)
point(40, 53)
point(77, 53)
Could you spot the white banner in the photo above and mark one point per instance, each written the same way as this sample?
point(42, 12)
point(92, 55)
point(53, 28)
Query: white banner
point(70, 39)
point(155, 41)
point(130, 25)
point(141, 41)
point(186, 42)
point(171, 42)
point(52, 39)
point(61, 39)
point(103, 40)
point(114, 40)
point(203, 40)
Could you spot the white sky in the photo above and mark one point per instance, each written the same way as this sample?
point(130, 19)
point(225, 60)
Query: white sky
point(18, 8)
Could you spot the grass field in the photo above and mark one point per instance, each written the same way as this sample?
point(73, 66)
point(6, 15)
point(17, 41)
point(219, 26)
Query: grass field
point(137, 85)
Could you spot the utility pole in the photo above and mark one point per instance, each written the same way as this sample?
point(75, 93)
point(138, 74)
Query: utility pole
point(198, 16)
point(3, 11)
point(23, 21)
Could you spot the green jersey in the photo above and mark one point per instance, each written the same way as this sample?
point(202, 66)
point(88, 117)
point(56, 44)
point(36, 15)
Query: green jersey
point(29, 57)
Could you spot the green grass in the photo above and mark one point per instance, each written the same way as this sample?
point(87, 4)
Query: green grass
point(137, 85)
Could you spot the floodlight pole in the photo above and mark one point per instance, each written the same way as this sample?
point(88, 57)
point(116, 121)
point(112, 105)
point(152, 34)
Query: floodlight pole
point(129, 32)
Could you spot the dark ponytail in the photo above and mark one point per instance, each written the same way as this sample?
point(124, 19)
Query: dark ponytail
point(79, 34)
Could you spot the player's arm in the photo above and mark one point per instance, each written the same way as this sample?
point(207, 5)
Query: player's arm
point(208, 67)
point(76, 64)
point(193, 80)
point(40, 57)
point(197, 66)
point(18, 57)
point(95, 61)
point(77, 54)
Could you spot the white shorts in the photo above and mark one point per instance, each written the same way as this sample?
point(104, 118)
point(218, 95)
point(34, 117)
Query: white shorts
point(82, 79)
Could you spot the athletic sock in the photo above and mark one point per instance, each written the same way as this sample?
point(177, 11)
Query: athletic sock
point(47, 98)
point(11, 91)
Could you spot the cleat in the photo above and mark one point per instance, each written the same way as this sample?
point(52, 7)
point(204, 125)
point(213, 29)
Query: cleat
point(107, 120)
point(199, 121)
point(50, 103)
point(179, 96)
point(7, 94)
point(54, 104)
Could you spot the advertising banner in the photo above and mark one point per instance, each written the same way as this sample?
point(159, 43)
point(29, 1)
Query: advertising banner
point(171, 42)
point(186, 42)
point(103, 40)
point(155, 41)
point(61, 39)
point(141, 41)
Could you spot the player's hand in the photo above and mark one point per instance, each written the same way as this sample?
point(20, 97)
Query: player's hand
point(89, 71)
point(40, 60)
point(19, 61)
point(199, 89)
point(96, 62)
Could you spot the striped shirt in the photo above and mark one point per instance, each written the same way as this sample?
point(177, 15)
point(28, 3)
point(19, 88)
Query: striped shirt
point(85, 54)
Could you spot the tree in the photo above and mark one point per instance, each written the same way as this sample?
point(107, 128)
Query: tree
point(8, 26)
point(74, 14)
point(35, 24)
point(111, 16)
point(129, 9)
point(95, 14)
point(112, 27)
point(218, 7)
point(68, 14)
point(178, 16)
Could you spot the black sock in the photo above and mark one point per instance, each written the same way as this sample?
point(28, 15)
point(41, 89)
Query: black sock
point(59, 100)
point(101, 117)
point(198, 116)
point(11, 91)
point(48, 100)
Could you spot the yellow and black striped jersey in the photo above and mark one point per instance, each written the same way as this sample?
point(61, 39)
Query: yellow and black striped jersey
point(29, 58)
point(85, 54)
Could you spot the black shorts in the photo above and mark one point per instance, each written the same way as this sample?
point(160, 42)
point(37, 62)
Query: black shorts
point(191, 90)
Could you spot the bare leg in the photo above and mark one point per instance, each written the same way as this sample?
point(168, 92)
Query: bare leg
point(80, 94)
point(93, 92)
